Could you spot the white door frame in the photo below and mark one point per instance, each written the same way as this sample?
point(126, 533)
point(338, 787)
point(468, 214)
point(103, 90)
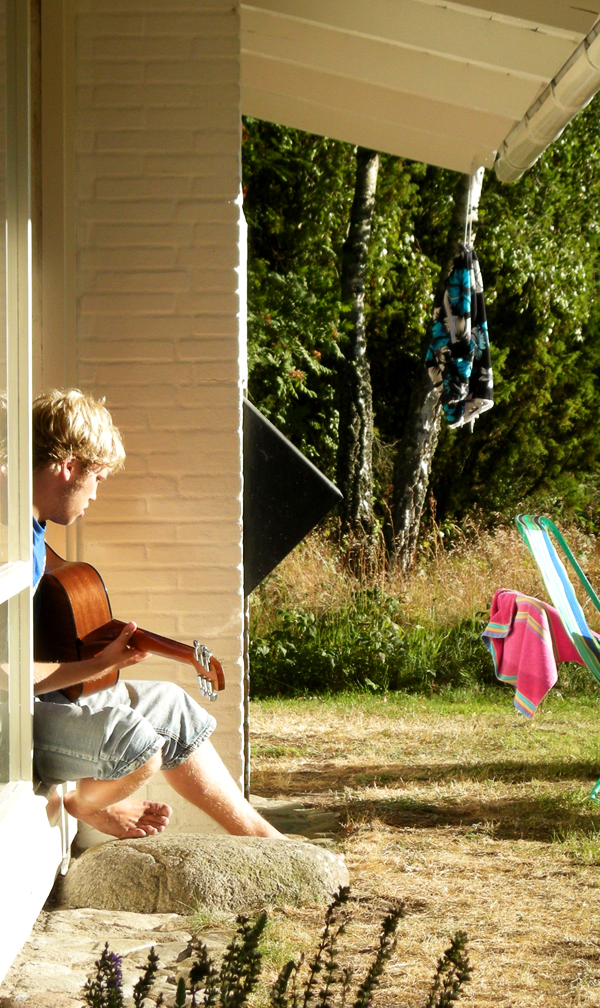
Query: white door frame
point(31, 850)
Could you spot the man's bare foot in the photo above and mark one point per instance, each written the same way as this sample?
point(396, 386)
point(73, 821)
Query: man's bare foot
point(270, 832)
point(125, 820)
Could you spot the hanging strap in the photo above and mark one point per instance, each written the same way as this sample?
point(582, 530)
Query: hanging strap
point(473, 196)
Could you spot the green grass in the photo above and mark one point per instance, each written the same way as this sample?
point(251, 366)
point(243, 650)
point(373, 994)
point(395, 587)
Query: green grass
point(583, 847)
point(488, 699)
point(534, 776)
point(205, 919)
point(279, 943)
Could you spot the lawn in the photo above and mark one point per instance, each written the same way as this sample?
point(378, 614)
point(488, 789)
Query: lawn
point(473, 816)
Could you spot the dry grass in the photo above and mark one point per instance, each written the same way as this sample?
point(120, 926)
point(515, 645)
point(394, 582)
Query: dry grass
point(450, 583)
point(475, 817)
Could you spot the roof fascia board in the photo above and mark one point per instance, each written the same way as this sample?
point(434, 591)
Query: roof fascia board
point(374, 62)
point(435, 29)
point(394, 108)
point(393, 138)
point(560, 16)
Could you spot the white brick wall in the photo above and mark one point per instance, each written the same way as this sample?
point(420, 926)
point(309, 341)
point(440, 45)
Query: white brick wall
point(158, 332)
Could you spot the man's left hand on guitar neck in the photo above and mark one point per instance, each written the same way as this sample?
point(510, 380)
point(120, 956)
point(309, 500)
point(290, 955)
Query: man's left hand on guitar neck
point(48, 676)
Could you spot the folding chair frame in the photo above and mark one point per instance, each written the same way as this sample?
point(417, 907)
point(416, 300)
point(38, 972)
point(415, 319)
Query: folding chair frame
point(536, 531)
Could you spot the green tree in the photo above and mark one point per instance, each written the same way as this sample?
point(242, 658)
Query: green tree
point(355, 398)
point(539, 247)
point(298, 192)
point(297, 196)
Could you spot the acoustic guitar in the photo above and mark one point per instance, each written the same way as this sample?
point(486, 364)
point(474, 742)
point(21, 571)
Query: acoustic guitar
point(74, 621)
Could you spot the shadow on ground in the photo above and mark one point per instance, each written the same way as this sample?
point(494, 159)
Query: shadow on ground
point(325, 776)
point(541, 817)
point(534, 818)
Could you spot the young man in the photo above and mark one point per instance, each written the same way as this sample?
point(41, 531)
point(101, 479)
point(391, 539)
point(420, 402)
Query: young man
point(113, 742)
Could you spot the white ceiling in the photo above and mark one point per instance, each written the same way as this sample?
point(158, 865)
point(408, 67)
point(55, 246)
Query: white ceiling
point(431, 80)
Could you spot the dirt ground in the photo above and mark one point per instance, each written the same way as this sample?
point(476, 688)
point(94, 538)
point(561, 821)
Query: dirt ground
point(476, 818)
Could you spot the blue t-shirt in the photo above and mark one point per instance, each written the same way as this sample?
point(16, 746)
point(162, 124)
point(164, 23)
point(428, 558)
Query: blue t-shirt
point(39, 551)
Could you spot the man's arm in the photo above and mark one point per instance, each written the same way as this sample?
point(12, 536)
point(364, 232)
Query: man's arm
point(49, 676)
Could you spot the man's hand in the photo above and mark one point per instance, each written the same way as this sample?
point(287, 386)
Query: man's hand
point(119, 654)
point(116, 655)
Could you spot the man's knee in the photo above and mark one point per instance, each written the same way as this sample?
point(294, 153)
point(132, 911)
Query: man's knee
point(154, 763)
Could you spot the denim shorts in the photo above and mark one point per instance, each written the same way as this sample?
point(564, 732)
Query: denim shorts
point(113, 732)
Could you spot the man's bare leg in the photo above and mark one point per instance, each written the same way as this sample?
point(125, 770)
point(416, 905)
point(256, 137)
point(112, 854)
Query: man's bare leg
point(109, 808)
point(205, 782)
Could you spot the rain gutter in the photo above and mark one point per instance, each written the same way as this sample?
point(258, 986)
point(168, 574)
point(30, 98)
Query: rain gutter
point(572, 89)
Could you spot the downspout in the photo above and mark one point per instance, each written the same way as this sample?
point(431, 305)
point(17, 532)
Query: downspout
point(243, 321)
point(572, 89)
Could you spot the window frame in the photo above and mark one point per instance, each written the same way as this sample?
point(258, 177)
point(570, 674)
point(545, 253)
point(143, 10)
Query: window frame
point(15, 575)
point(31, 848)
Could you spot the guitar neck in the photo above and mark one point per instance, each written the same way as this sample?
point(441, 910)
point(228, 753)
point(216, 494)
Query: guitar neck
point(145, 640)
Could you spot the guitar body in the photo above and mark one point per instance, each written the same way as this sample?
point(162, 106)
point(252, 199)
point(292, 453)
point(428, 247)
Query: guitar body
point(74, 622)
point(73, 603)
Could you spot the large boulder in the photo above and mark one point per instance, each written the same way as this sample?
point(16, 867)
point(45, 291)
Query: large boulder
point(172, 874)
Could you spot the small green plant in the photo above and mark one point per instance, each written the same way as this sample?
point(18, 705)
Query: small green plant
point(105, 990)
point(320, 983)
point(452, 973)
point(145, 982)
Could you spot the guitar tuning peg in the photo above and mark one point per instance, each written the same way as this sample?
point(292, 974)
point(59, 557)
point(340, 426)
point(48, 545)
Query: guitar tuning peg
point(202, 655)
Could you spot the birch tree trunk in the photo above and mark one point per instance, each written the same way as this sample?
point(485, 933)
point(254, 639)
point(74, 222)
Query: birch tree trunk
point(355, 452)
point(412, 467)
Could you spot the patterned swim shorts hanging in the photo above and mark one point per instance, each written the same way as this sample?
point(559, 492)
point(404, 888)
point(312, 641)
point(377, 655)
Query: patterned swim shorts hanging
point(458, 359)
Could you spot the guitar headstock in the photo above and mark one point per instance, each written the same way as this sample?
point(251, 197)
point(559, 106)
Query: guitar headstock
point(209, 671)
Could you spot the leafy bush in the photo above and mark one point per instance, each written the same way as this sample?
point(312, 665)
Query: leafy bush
point(321, 983)
point(364, 645)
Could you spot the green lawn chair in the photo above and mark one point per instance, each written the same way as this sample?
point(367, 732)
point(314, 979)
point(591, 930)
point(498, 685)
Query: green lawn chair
point(536, 532)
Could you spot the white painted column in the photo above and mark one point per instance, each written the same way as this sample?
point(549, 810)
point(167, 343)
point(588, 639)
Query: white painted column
point(158, 331)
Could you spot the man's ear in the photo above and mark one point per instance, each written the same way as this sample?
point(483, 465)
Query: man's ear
point(68, 469)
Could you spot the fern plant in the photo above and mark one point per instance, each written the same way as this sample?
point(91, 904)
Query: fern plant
point(320, 983)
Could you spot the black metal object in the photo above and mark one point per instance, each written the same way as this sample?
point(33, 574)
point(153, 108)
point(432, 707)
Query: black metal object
point(285, 496)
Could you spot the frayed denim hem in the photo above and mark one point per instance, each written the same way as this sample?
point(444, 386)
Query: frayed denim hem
point(186, 751)
point(124, 769)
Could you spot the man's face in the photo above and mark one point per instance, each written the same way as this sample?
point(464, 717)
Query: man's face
point(79, 488)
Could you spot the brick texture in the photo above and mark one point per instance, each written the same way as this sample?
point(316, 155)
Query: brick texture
point(158, 175)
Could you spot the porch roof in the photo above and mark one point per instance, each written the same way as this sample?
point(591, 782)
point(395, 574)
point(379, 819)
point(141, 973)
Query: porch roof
point(458, 85)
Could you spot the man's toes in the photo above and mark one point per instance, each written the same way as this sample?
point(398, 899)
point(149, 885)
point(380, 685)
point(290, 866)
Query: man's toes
point(147, 829)
point(161, 809)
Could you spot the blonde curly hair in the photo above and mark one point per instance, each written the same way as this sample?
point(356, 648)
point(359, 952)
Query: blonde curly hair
point(70, 424)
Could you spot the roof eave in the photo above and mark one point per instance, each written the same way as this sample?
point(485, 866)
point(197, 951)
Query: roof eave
point(571, 90)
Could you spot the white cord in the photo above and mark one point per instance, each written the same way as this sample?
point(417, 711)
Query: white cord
point(473, 196)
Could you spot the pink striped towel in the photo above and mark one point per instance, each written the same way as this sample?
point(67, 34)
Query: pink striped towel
point(527, 641)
